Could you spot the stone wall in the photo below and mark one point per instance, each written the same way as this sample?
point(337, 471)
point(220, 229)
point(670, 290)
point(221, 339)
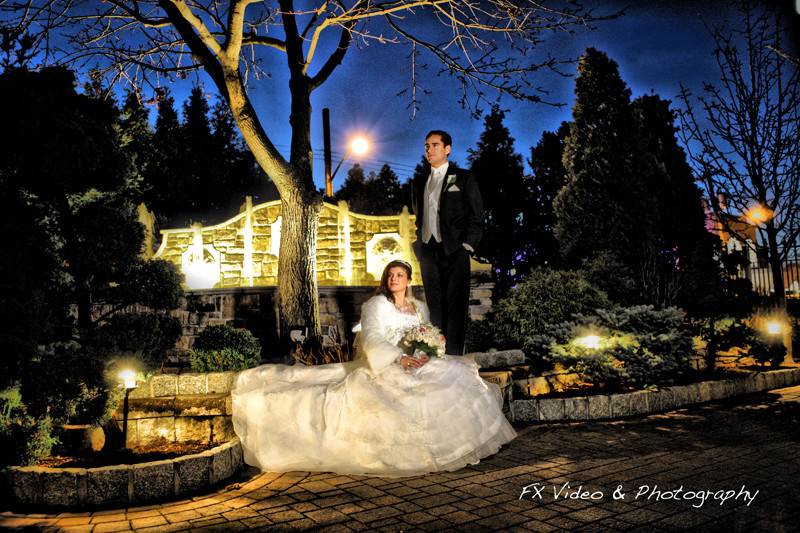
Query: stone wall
point(256, 309)
point(352, 248)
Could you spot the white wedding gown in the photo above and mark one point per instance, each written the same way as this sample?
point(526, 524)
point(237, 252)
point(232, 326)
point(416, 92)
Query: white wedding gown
point(369, 416)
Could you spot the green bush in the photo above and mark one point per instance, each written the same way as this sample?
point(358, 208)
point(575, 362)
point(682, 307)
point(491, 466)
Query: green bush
point(23, 438)
point(149, 335)
point(220, 348)
point(638, 346)
point(729, 333)
point(543, 297)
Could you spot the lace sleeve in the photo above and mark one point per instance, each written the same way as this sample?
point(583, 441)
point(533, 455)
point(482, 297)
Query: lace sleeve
point(376, 322)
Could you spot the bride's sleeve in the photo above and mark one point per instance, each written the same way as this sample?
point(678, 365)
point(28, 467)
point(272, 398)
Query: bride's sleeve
point(379, 352)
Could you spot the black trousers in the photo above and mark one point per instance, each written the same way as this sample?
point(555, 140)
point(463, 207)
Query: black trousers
point(446, 281)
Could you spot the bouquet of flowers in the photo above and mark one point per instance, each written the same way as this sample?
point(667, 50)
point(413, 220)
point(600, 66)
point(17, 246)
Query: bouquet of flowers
point(423, 339)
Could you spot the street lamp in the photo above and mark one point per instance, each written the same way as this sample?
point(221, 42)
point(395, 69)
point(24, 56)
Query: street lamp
point(127, 378)
point(758, 214)
point(358, 146)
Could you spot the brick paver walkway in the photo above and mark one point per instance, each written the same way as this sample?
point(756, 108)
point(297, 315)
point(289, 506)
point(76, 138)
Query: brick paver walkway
point(746, 444)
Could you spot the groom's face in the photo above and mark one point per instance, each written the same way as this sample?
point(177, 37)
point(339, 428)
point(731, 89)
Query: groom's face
point(435, 151)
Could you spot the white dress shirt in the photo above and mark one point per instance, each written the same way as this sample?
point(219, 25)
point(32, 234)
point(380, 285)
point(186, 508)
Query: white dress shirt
point(433, 190)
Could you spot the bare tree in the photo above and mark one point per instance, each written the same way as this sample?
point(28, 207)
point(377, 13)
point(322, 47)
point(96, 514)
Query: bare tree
point(746, 141)
point(484, 44)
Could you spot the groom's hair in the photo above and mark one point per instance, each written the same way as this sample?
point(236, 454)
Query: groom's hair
point(446, 139)
point(383, 288)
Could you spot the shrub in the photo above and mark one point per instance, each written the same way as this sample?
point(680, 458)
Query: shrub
point(638, 346)
point(150, 335)
point(543, 297)
point(23, 438)
point(732, 333)
point(220, 348)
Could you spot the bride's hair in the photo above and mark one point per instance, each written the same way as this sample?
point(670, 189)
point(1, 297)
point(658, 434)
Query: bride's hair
point(383, 288)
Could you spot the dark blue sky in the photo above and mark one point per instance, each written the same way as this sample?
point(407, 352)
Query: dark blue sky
point(658, 45)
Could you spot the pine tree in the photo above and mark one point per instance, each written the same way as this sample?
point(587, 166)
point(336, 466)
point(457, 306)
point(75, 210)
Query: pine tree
point(604, 211)
point(500, 175)
point(165, 176)
point(353, 190)
point(202, 187)
point(680, 255)
point(540, 246)
point(136, 133)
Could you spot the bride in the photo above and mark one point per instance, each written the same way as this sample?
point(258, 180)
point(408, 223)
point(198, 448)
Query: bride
point(385, 413)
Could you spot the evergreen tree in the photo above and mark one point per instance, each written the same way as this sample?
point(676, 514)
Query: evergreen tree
point(166, 174)
point(604, 212)
point(500, 175)
point(202, 187)
point(539, 243)
point(137, 136)
point(354, 191)
point(680, 258)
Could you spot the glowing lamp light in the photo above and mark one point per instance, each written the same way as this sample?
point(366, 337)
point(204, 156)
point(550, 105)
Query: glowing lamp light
point(128, 378)
point(758, 214)
point(589, 341)
point(359, 146)
point(774, 327)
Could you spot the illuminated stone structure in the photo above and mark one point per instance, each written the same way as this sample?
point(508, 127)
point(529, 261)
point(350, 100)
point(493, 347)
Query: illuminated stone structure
point(352, 249)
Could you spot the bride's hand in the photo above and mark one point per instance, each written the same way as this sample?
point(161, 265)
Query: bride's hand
point(408, 362)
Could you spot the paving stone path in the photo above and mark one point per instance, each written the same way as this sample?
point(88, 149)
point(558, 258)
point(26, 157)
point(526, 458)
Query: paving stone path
point(745, 444)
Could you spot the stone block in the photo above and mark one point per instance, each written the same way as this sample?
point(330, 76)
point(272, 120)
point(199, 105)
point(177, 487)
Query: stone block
point(719, 389)
point(619, 405)
point(499, 359)
point(693, 393)
point(551, 409)
point(783, 376)
point(638, 403)
point(599, 407)
point(221, 463)
point(200, 405)
point(60, 486)
point(794, 376)
point(222, 429)
point(705, 391)
point(192, 384)
point(164, 385)
point(192, 473)
point(771, 380)
point(525, 410)
point(660, 401)
point(153, 481)
point(188, 429)
point(237, 455)
point(27, 484)
point(108, 485)
point(144, 390)
point(221, 382)
point(155, 430)
point(576, 408)
point(761, 382)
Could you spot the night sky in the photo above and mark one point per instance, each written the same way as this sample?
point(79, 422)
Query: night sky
point(658, 45)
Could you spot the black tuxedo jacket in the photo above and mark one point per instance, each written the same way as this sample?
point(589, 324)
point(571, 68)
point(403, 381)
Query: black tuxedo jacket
point(460, 209)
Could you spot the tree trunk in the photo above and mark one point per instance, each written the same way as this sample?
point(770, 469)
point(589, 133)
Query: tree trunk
point(300, 204)
point(297, 269)
point(775, 263)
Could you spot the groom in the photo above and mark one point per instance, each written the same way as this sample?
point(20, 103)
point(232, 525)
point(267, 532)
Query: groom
point(449, 211)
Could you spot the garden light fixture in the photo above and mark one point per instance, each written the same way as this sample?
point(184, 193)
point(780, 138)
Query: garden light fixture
point(589, 341)
point(775, 327)
point(127, 379)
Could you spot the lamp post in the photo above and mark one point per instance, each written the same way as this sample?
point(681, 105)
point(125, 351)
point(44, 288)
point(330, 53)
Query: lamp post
point(127, 380)
point(358, 146)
